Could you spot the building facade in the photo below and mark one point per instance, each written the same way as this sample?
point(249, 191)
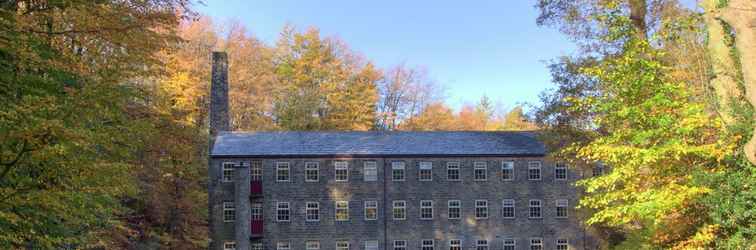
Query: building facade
point(387, 190)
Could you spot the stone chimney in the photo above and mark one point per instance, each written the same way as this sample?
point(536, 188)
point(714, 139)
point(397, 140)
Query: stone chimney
point(219, 118)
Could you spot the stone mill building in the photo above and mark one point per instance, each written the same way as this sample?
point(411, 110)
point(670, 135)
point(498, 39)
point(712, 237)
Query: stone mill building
point(385, 190)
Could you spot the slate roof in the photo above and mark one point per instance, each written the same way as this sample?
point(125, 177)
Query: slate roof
point(373, 143)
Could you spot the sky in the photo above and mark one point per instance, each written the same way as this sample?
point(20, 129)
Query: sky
point(471, 48)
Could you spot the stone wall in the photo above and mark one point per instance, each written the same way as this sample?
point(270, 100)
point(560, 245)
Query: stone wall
point(385, 230)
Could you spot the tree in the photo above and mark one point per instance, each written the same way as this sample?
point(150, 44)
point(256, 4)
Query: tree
point(404, 92)
point(323, 85)
point(637, 100)
point(66, 118)
point(435, 116)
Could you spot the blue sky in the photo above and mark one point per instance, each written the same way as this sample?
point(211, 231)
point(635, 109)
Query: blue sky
point(472, 48)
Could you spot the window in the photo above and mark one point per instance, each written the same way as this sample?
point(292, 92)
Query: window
point(536, 244)
point(534, 170)
point(229, 245)
point(598, 170)
point(400, 210)
point(481, 245)
point(256, 246)
point(256, 211)
point(283, 212)
point(229, 211)
point(283, 245)
point(370, 171)
point(561, 208)
point(507, 170)
point(397, 171)
point(455, 245)
point(535, 209)
point(455, 209)
point(342, 170)
point(312, 245)
point(342, 210)
point(342, 245)
point(312, 211)
point(426, 210)
point(452, 171)
point(371, 210)
point(312, 172)
point(481, 209)
point(371, 245)
point(282, 171)
point(426, 245)
point(509, 244)
point(560, 171)
point(480, 170)
point(228, 172)
point(561, 244)
point(426, 171)
point(256, 170)
point(508, 208)
point(400, 245)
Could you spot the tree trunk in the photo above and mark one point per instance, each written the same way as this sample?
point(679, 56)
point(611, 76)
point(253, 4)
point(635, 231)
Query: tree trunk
point(741, 16)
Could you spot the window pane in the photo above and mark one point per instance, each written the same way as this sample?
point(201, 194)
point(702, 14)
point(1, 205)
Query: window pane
point(341, 171)
point(370, 171)
point(371, 210)
point(312, 171)
point(507, 170)
point(342, 210)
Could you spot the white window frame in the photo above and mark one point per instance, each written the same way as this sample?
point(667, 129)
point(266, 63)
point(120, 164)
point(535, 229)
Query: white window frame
point(400, 245)
point(371, 205)
point(451, 206)
point(426, 205)
point(403, 207)
point(508, 203)
point(345, 245)
point(256, 246)
point(535, 165)
point(370, 171)
point(425, 166)
point(481, 244)
point(312, 166)
point(563, 204)
point(283, 245)
point(398, 166)
point(453, 166)
point(557, 168)
point(229, 211)
point(228, 171)
point(455, 244)
point(256, 170)
point(341, 205)
point(425, 246)
point(283, 166)
point(341, 166)
point(509, 242)
point(371, 245)
point(256, 211)
point(508, 166)
point(315, 245)
point(480, 165)
point(535, 205)
point(280, 209)
point(312, 206)
point(481, 204)
point(536, 242)
point(229, 245)
point(598, 170)
point(562, 244)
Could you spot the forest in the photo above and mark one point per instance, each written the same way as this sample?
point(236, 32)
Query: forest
point(104, 116)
